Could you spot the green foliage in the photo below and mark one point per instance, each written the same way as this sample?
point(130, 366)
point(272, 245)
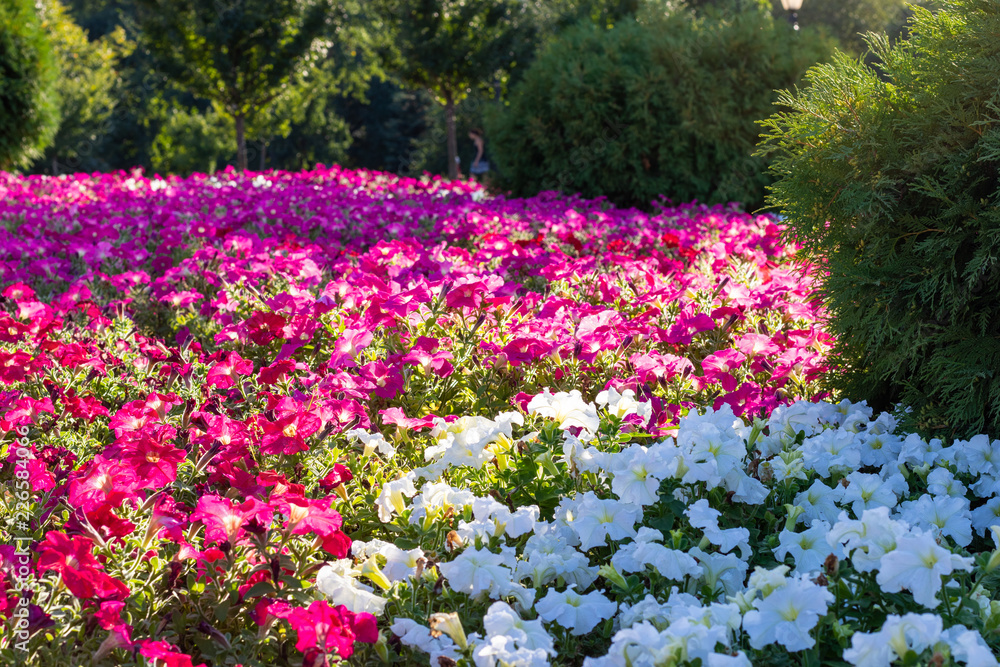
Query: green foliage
point(449, 47)
point(28, 102)
point(189, 141)
point(663, 106)
point(890, 179)
point(850, 20)
point(240, 54)
point(88, 88)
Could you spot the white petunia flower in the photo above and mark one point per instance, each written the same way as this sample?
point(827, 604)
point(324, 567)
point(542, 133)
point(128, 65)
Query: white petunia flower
point(644, 551)
point(727, 571)
point(624, 404)
point(867, 539)
point(916, 451)
point(390, 501)
point(503, 651)
point(986, 515)
point(418, 636)
point(787, 615)
point(943, 515)
point(968, 646)
point(577, 613)
point(338, 581)
point(399, 564)
point(917, 564)
point(638, 472)
point(469, 441)
point(977, 456)
point(879, 449)
point(436, 498)
point(865, 492)
point(596, 519)
point(809, 548)
point(820, 502)
point(477, 571)
point(569, 409)
point(581, 458)
point(941, 482)
point(371, 442)
point(832, 451)
point(702, 515)
point(501, 619)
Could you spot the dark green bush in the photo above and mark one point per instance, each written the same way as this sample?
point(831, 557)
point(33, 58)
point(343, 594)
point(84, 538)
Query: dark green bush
point(663, 105)
point(890, 178)
point(28, 107)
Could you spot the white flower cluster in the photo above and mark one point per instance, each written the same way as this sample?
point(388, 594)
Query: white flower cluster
point(873, 520)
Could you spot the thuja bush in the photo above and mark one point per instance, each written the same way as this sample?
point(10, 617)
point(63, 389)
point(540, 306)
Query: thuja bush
point(666, 104)
point(890, 178)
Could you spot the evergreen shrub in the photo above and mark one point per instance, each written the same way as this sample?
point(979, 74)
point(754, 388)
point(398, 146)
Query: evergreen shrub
point(889, 177)
point(662, 105)
point(29, 113)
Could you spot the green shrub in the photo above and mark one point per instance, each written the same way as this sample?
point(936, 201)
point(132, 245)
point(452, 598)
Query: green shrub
point(662, 105)
point(28, 106)
point(890, 179)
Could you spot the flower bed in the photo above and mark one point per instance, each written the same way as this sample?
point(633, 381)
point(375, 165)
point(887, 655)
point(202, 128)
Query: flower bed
point(297, 418)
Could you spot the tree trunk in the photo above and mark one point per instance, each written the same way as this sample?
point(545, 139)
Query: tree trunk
point(263, 154)
point(449, 122)
point(55, 165)
point(241, 144)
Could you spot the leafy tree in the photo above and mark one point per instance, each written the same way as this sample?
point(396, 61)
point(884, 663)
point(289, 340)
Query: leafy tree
point(449, 47)
point(666, 106)
point(28, 102)
point(88, 87)
point(190, 140)
point(889, 178)
point(240, 54)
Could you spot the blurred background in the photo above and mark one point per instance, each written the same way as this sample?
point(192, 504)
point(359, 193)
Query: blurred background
point(626, 99)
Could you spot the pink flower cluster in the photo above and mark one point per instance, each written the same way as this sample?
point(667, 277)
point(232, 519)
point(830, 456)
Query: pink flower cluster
point(205, 332)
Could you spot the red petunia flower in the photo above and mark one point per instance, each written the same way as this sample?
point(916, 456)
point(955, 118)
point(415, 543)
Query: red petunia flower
point(82, 573)
point(224, 373)
point(153, 461)
point(164, 654)
point(225, 519)
point(323, 629)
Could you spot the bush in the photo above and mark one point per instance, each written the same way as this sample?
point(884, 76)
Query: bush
point(28, 108)
point(665, 105)
point(890, 178)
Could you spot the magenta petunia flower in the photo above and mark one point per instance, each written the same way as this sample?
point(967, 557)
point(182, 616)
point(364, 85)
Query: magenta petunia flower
point(225, 519)
point(325, 629)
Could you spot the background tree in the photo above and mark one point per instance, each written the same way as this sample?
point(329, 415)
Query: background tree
point(237, 53)
point(88, 88)
point(449, 47)
point(663, 106)
point(28, 102)
point(850, 20)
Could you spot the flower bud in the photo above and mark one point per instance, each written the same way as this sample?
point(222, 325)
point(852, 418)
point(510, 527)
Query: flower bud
point(374, 573)
point(450, 625)
point(610, 573)
point(793, 512)
point(831, 566)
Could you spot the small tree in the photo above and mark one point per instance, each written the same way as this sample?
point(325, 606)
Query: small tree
point(237, 53)
point(87, 87)
point(28, 103)
point(450, 46)
point(665, 105)
point(891, 179)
